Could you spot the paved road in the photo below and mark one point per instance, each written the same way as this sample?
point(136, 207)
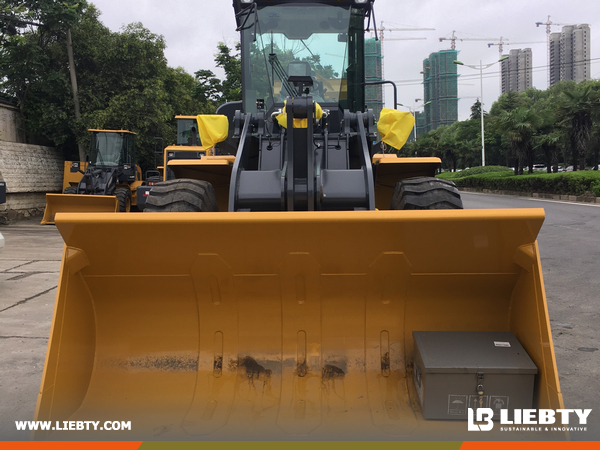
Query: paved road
point(29, 266)
point(569, 246)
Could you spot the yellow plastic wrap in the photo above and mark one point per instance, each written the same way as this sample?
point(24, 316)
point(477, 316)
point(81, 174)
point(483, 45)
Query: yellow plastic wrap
point(213, 129)
point(395, 127)
point(298, 123)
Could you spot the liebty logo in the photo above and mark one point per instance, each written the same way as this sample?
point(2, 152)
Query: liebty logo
point(483, 415)
point(523, 417)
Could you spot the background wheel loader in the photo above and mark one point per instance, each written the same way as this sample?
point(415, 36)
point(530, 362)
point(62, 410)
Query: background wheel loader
point(106, 183)
point(190, 159)
point(302, 309)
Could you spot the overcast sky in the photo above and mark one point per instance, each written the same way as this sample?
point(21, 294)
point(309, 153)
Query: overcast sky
point(192, 29)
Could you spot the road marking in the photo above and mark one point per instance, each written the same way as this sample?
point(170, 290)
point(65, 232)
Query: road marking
point(534, 199)
point(563, 201)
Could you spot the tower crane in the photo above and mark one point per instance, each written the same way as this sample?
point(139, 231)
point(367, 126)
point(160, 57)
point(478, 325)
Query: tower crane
point(382, 32)
point(549, 24)
point(501, 43)
point(455, 38)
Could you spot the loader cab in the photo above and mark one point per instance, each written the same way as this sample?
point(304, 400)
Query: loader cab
point(112, 148)
point(111, 162)
point(323, 40)
point(187, 131)
point(188, 145)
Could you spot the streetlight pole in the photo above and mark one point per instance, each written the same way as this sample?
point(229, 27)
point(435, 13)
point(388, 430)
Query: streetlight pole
point(413, 111)
point(480, 68)
point(481, 114)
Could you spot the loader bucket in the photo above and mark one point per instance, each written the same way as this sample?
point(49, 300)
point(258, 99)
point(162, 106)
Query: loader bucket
point(77, 203)
point(278, 326)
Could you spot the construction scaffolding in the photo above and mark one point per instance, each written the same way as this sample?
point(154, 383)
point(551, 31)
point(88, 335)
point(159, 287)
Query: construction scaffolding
point(420, 123)
point(440, 89)
point(374, 98)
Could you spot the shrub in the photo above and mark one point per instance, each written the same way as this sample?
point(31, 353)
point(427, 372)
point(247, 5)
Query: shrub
point(566, 183)
point(474, 171)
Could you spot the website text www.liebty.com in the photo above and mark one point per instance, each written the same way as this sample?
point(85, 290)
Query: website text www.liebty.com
point(73, 425)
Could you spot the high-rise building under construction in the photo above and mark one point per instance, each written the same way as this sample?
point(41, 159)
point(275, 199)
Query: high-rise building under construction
point(440, 85)
point(570, 54)
point(516, 73)
point(373, 72)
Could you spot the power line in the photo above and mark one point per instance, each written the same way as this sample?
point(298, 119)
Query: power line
point(494, 74)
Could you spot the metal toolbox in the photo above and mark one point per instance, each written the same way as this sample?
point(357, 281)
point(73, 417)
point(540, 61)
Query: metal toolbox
point(457, 370)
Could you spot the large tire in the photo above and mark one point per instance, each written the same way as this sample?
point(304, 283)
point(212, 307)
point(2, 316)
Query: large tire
point(124, 197)
point(71, 190)
point(426, 193)
point(182, 195)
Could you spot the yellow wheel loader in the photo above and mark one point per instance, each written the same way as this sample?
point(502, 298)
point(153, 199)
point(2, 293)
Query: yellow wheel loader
point(326, 291)
point(190, 159)
point(106, 183)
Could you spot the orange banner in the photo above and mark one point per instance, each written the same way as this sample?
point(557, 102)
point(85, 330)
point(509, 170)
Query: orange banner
point(70, 445)
point(529, 445)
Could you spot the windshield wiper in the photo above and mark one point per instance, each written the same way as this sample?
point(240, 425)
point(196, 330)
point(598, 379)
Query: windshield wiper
point(282, 74)
point(248, 11)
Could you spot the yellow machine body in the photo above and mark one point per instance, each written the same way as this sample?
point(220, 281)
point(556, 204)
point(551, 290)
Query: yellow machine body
point(56, 203)
point(88, 203)
point(389, 169)
point(214, 169)
point(73, 178)
point(282, 325)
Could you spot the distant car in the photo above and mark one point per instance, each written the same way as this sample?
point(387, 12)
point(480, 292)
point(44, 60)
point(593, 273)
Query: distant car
point(1, 242)
point(569, 169)
point(539, 167)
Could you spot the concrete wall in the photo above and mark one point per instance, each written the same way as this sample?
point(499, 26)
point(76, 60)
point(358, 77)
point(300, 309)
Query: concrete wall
point(29, 172)
point(10, 129)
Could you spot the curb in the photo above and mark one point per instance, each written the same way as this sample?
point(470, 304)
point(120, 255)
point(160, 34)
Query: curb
point(555, 197)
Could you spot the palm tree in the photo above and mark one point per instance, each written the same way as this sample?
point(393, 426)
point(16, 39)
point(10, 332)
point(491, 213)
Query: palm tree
point(577, 109)
point(518, 126)
point(549, 137)
point(549, 144)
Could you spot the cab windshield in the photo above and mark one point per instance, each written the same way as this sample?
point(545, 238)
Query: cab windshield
point(313, 40)
point(107, 149)
point(187, 132)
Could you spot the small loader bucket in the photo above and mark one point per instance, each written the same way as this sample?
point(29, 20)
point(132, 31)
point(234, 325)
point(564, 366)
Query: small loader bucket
point(77, 203)
point(278, 326)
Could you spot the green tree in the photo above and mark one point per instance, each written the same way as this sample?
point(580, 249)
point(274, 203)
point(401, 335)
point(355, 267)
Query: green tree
point(519, 126)
point(549, 138)
point(208, 89)
point(232, 65)
point(32, 35)
point(577, 109)
point(506, 102)
point(476, 110)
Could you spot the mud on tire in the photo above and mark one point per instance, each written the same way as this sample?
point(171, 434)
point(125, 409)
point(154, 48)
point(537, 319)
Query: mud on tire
point(426, 193)
point(182, 195)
